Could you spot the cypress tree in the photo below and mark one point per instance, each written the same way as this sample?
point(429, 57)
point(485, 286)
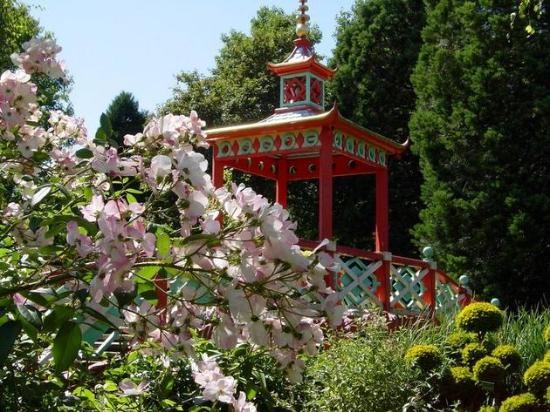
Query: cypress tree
point(481, 129)
point(125, 116)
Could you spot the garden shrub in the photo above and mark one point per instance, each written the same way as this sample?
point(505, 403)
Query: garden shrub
point(480, 317)
point(547, 356)
point(456, 341)
point(487, 409)
point(462, 383)
point(489, 369)
point(425, 357)
point(367, 373)
point(526, 402)
point(547, 335)
point(537, 377)
point(509, 356)
point(473, 352)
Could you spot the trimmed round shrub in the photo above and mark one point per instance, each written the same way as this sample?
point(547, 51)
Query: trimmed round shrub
point(547, 356)
point(424, 357)
point(487, 409)
point(457, 340)
point(480, 317)
point(526, 402)
point(489, 369)
point(537, 377)
point(547, 335)
point(509, 356)
point(462, 382)
point(473, 352)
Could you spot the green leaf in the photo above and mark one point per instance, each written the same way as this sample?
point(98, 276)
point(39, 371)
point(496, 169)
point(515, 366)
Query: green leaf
point(148, 272)
point(31, 315)
point(131, 198)
point(84, 153)
point(100, 137)
point(166, 385)
point(57, 316)
point(84, 393)
point(134, 191)
point(40, 156)
point(251, 394)
point(110, 386)
point(163, 244)
point(36, 298)
point(9, 332)
point(66, 345)
point(40, 195)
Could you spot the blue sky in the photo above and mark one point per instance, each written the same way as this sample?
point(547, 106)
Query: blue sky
point(140, 45)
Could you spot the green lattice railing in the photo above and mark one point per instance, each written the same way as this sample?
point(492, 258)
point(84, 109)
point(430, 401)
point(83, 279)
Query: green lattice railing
point(394, 283)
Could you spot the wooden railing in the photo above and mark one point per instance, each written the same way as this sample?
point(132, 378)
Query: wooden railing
point(396, 284)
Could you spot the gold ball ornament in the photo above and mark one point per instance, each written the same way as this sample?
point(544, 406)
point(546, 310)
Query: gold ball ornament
point(302, 29)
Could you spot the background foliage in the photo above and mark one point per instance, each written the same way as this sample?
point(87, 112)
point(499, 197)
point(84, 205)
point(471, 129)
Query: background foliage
point(481, 131)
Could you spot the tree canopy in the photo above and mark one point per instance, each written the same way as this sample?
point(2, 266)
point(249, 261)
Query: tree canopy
point(125, 116)
point(376, 49)
point(481, 131)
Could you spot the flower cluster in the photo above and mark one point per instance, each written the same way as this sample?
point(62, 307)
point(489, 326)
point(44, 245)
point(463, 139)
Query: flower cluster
point(224, 262)
point(40, 56)
point(219, 388)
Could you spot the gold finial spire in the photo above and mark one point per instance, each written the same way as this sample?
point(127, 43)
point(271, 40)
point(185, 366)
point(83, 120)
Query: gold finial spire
point(302, 19)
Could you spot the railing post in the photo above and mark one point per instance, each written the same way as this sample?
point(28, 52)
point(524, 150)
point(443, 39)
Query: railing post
point(429, 281)
point(383, 274)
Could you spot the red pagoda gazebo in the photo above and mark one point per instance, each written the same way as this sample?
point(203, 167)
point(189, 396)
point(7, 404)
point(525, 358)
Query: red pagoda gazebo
point(302, 141)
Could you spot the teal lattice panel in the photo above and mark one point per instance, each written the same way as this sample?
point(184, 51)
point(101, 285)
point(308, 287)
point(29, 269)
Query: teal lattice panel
point(407, 288)
point(446, 298)
point(358, 281)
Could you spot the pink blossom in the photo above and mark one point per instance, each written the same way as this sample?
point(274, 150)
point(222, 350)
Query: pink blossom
point(40, 57)
point(161, 166)
point(225, 333)
point(216, 386)
point(133, 140)
point(241, 405)
point(92, 211)
point(129, 388)
point(82, 242)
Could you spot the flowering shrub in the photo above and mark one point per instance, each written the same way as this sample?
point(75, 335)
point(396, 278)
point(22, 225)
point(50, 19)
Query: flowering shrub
point(138, 239)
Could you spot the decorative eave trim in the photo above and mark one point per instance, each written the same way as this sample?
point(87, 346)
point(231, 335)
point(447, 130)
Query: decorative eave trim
point(330, 118)
point(310, 64)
